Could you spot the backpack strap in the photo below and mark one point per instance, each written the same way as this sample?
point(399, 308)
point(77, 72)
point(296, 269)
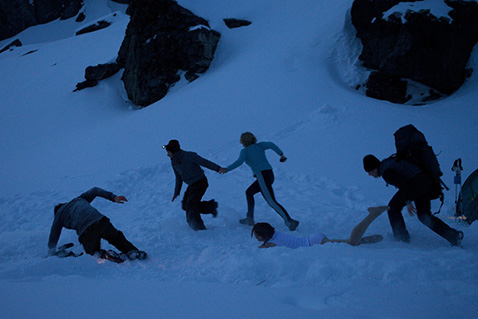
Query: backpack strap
point(442, 197)
point(441, 205)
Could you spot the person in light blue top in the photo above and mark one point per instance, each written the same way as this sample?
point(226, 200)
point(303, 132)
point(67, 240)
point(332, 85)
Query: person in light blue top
point(253, 154)
point(271, 238)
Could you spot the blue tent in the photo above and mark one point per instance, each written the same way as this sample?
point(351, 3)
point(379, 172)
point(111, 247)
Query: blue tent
point(467, 206)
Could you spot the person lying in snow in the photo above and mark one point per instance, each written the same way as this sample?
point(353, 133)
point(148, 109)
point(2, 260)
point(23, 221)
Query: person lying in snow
point(91, 226)
point(270, 237)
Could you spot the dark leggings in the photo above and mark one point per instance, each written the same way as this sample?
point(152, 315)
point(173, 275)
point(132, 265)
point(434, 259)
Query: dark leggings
point(193, 204)
point(91, 238)
point(263, 184)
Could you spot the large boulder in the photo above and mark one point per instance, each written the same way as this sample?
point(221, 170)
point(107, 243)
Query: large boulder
point(419, 46)
point(162, 41)
point(385, 87)
point(17, 15)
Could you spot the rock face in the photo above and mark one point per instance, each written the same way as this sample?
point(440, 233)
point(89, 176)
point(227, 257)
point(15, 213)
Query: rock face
point(94, 27)
point(162, 40)
point(430, 50)
point(94, 74)
point(14, 43)
point(232, 23)
point(385, 87)
point(17, 15)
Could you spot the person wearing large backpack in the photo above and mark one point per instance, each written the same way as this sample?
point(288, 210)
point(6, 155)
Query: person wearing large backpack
point(413, 185)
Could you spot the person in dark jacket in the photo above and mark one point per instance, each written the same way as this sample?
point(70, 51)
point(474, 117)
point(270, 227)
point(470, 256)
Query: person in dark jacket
point(187, 169)
point(91, 226)
point(413, 185)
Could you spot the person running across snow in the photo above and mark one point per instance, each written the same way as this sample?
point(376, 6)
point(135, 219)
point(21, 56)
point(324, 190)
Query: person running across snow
point(253, 154)
point(187, 168)
point(413, 185)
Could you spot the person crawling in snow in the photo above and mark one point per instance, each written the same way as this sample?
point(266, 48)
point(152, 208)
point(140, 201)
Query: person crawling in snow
point(91, 226)
point(271, 238)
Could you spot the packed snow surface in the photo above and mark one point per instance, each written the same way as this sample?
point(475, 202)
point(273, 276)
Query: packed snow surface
point(289, 78)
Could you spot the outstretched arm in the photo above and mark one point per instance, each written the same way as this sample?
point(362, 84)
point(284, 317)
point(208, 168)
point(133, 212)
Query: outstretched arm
point(178, 185)
point(91, 194)
point(55, 233)
point(238, 162)
point(205, 163)
point(120, 199)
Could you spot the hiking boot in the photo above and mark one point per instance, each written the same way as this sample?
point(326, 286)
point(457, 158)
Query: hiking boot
point(136, 254)
point(459, 239)
point(110, 255)
point(197, 225)
point(292, 224)
point(405, 237)
point(214, 208)
point(247, 221)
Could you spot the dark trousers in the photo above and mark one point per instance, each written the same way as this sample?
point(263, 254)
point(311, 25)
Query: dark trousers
point(263, 184)
point(194, 206)
point(91, 238)
point(420, 187)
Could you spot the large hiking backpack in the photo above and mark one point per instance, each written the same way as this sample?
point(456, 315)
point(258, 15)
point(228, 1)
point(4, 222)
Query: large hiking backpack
point(413, 147)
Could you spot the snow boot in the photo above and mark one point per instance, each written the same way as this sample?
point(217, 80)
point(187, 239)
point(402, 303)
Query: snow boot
point(459, 239)
point(197, 225)
point(136, 254)
point(214, 208)
point(110, 255)
point(292, 224)
point(247, 221)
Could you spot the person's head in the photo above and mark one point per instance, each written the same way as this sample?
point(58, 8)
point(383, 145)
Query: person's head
point(247, 138)
point(172, 147)
point(371, 165)
point(263, 231)
point(57, 208)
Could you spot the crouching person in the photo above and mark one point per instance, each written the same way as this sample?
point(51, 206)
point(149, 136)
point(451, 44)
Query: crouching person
point(91, 226)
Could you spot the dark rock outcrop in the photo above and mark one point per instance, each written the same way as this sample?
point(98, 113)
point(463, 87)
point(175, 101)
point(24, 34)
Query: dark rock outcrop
point(94, 74)
point(385, 87)
point(14, 43)
point(430, 50)
point(94, 27)
point(236, 23)
point(17, 15)
point(163, 39)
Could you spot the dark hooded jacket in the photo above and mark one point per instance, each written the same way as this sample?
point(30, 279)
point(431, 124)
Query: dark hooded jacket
point(77, 214)
point(187, 168)
point(398, 173)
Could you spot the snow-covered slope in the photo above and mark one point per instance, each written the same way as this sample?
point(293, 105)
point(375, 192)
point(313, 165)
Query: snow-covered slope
point(288, 78)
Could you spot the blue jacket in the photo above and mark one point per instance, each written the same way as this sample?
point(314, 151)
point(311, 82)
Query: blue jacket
point(255, 156)
point(77, 214)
